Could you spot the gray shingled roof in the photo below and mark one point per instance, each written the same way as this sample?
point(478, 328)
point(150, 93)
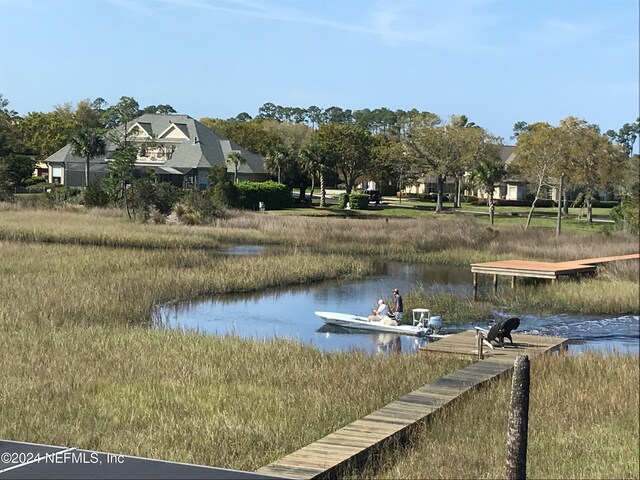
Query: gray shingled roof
point(203, 149)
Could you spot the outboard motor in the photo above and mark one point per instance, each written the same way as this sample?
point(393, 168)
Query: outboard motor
point(434, 324)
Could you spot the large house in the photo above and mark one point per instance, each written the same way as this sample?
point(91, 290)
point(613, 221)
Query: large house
point(177, 148)
point(509, 189)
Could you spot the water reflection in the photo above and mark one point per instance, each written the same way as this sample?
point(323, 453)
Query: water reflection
point(288, 313)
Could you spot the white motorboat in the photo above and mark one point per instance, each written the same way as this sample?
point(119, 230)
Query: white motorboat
point(424, 325)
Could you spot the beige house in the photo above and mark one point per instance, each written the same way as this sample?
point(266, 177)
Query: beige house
point(510, 189)
point(177, 148)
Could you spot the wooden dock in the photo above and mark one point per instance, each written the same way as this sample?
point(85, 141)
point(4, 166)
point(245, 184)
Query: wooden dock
point(464, 344)
point(533, 269)
point(351, 444)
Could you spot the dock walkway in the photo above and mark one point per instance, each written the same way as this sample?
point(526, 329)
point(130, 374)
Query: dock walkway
point(326, 457)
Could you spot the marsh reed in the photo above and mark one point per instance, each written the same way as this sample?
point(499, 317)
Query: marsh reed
point(583, 423)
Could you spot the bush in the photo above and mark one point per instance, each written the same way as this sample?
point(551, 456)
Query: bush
point(546, 203)
point(195, 208)
point(274, 195)
point(605, 204)
point(166, 196)
point(428, 197)
point(221, 191)
point(359, 201)
point(540, 203)
point(62, 194)
point(34, 181)
point(95, 196)
point(343, 198)
point(469, 199)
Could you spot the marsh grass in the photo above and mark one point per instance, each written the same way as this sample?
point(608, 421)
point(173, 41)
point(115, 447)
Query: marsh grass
point(455, 240)
point(96, 285)
point(583, 423)
point(600, 295)
point(219, 401)
point(452, 308)
point(74, 373)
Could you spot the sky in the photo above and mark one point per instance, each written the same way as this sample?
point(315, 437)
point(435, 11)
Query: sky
point(496, 61)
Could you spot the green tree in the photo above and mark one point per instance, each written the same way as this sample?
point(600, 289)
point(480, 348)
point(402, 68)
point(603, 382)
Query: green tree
point(628, 212)
point(286, 159)
point(43, 134)
point(440, 150)
point(487, 171)
point(275, 161)
point(626, 136)
point(318, 162)
point(253, 135)
point(7, 145)
point(221, 191)
point(121, 169)
point(539, 157)
point(88, 143)
point(349, 148)
point(17, 168)
point(236, 159)
point(591, 160)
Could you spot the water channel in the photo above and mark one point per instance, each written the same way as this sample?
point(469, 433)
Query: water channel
point(289, 313)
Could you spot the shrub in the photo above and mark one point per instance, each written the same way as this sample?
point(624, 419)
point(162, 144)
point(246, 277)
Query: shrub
point(34, 181)
point(546, 203)
point(195, 208)
point(94, 195)
point(166, 196)
point(157, 217)
point(343, 198)
point(469, 198)
point(359, 201)
point(274, 195)
point(221, 191)
point(605, 204)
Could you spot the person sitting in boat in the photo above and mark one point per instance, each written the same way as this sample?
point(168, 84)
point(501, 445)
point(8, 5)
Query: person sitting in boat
point(381, 314)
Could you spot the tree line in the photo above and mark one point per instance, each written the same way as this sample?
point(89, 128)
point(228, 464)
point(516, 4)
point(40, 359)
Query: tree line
point(302, 146)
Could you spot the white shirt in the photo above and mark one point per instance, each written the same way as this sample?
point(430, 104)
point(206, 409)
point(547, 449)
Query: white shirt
point(383, 310)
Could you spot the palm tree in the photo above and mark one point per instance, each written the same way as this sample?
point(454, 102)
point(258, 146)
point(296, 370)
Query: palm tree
point(236, 159)
point(88, 143)
point(487, 173)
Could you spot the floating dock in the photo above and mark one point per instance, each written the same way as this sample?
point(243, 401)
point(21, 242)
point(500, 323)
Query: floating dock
point(328, 456)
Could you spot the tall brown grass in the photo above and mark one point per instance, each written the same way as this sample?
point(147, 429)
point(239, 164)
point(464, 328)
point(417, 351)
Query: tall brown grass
point(460, 241)
point(583, 423)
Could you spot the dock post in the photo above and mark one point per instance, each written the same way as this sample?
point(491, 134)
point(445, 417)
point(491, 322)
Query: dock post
point(516, 463)
point(495, 283)
point(513, 282)
point(475, 287)
point(479, 342)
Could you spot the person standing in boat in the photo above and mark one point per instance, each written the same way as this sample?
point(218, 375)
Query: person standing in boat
point(379, 313)
point(398, 306)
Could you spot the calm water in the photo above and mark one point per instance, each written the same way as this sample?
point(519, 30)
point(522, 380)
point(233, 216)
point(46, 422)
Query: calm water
point(290, 313)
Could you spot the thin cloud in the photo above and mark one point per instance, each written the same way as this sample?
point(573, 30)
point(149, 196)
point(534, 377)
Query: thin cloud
point(267, 11)
point(396, 22)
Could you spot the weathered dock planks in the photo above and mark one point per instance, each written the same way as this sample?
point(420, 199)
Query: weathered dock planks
point(464, 344)
point(326, 457)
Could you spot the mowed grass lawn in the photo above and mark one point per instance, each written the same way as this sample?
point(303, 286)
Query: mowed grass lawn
point(81, 367)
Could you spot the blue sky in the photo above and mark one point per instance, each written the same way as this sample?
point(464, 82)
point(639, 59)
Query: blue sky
point(496, 61)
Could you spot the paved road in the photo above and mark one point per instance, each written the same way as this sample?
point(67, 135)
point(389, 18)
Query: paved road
point(20, 460)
